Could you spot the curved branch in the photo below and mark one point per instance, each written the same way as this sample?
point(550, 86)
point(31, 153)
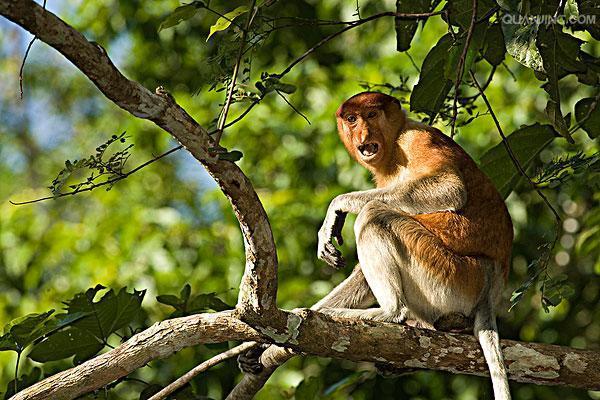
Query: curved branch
point(259, 284)
point(159, 341)
point(314, 333)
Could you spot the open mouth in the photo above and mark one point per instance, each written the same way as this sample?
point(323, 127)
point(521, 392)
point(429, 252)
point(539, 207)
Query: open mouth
point(368, 150)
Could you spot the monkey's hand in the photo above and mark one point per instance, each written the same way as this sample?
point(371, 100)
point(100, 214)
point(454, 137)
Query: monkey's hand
point(331, 228)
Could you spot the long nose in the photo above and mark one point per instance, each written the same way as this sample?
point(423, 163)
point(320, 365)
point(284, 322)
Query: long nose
point(364, 133)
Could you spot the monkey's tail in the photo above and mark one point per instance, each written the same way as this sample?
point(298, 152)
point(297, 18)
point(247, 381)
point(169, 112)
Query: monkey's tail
point(487, 333)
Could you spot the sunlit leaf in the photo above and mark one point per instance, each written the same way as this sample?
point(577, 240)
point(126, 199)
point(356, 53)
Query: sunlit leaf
point(181, 14)
point(226, 20)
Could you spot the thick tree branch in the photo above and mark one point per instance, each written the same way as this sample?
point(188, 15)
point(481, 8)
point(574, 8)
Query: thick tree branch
point(259, 284)
point(159, 341)
point(317, 334)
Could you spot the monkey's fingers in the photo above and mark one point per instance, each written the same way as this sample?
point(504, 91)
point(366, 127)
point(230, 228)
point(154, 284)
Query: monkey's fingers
point(249, 362)
point(333, 256)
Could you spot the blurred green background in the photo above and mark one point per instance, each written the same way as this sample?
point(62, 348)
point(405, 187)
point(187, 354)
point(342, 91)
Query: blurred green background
point(169, 225)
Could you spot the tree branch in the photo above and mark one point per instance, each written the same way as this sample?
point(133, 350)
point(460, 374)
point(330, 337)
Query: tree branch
point(314, 333)
point(259, 284)
point(191, 374)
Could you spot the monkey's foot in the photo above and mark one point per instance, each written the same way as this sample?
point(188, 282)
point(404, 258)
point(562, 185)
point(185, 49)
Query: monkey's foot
point(454, 322)
point(389, 371)
point(249, 362)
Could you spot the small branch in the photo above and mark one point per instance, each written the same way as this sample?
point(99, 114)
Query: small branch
point(412, 61)
point(258, 290)
point(25, 59)
point(512, 156)
point(236, 68)
point(353, 25)
point(292, 106)
point(461, 67)
point(107, 182)
point(187, 378)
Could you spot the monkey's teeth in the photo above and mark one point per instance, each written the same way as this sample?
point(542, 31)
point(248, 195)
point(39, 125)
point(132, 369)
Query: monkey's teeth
point(368, 149)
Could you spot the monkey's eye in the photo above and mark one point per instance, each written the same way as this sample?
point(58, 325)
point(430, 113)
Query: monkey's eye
point(351, 118)
point(372, 114)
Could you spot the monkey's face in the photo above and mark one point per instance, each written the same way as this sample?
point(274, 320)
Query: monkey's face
point(368, 124)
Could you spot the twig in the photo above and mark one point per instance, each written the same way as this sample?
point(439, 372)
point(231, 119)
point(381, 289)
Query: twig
point(236, 68)
point(186, 378)
point(461, 67)
point(355, 24)
point(484, 86)
point(107, 182)
point(292, 106)
point(25, 59)
point(412, 61)
point(512, 74)
point(509, 149)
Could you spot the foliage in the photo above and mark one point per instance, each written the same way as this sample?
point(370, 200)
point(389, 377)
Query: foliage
point(168, 227)
point(111, 169)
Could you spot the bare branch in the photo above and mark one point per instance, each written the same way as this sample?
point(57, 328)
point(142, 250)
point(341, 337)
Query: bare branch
point(314, 333)
point(461, 67)
point(511, 154)
point(159, 341)
point(106, 182)
point(259, 284)
point(187, 378)
point(236, 68)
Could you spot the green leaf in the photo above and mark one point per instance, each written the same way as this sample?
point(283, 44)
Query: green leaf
point(460, 12)
point(70, 342)
point(571, 9)
point(587, 114)
point(207, 301)
point(185, 292)
point(224, 21)
point(559, 53)
point(109, 314)
point(309, 389)
point(232, 156)
point(456, 50)
point(526, 143)
point(520, 42)
point(406, 28)
point(494, 48)
point(170, 300)
point(429, 93)
point(590, 9)
point(284, 87)
point(7, 343)
point(181, 14)
point(22, 331)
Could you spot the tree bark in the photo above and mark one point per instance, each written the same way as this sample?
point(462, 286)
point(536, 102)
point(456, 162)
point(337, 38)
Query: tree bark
point(259, 283)
point(303, 331)
point(317, 334)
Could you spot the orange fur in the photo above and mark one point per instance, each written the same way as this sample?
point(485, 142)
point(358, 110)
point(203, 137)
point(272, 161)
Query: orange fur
point(448, 243)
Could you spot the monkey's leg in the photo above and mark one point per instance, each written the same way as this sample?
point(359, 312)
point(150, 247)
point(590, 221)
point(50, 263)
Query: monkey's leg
point(352, 292)
point(410, 270)
point(381, 261)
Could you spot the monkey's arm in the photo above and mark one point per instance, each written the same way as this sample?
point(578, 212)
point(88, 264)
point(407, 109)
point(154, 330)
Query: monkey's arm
point(442, 191)
point(439, 192)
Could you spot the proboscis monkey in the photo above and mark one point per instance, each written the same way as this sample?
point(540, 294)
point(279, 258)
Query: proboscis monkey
point(433, 239)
